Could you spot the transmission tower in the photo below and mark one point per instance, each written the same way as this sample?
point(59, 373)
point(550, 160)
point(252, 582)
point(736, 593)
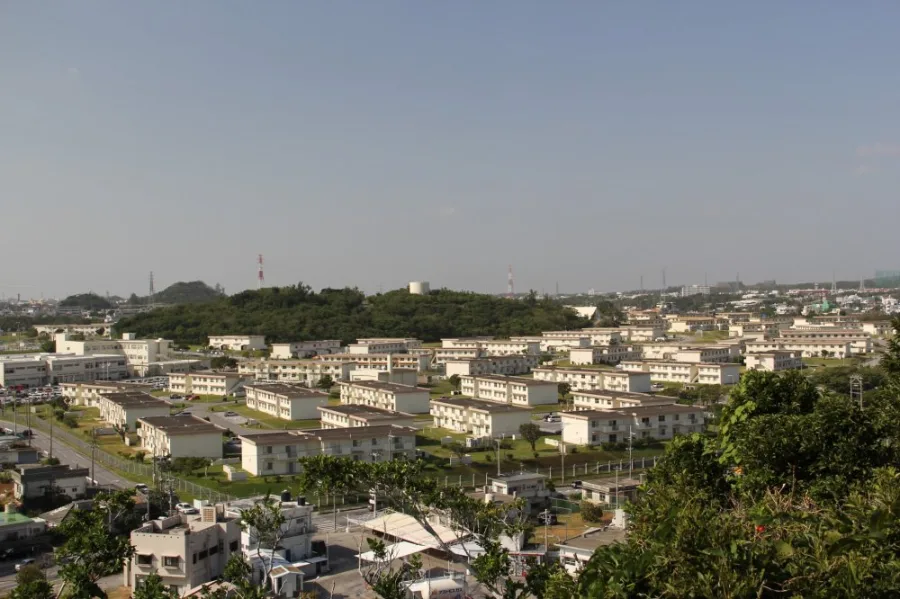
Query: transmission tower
point(261, 279)
point(152, 290)
point(510, 284)
point(833, 283)
point(862, 285)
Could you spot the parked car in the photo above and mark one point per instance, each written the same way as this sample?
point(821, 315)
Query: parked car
point(25, 562)
point(576, 484)
point(142, 488)
point(186, 508)
point(229, 414)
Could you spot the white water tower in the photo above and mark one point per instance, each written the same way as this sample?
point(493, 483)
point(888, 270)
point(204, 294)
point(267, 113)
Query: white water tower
point(419, 288)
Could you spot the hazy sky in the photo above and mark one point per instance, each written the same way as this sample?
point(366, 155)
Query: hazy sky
point(372, 143)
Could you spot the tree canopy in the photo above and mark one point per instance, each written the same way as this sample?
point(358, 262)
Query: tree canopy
point(88, 301)
point(797, 495)
point(297, 313)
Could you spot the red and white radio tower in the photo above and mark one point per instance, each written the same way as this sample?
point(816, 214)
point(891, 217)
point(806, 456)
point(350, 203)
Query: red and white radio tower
point(261, 278)
point(510, 286)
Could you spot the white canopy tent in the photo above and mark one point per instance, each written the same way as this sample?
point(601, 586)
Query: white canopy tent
point(406, 528)
point(392, 552)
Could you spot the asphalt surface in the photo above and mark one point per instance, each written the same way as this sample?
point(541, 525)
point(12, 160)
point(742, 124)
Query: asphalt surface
point(67, 455)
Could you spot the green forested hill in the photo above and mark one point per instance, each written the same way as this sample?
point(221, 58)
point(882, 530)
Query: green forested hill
point(297, 313)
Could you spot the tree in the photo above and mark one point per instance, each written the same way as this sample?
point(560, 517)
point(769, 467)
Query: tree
point(531, 432)
point(48, 346)
point(223, 362)
point(325, 382)
point(455, 381)
point(326, 477)
point(152, 587)
point(563, 389)
point(404, 486)
point(265, 523)
point(31, 583)
point(90, 551)
point(608, 314)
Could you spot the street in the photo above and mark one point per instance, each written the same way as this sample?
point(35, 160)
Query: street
point(67, 455)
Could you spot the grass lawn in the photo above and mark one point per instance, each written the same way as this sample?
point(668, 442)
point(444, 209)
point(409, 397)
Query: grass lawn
point(439, 389)
point(830, 362)
point(711, 336)
point(267, 420)
point(546, 409)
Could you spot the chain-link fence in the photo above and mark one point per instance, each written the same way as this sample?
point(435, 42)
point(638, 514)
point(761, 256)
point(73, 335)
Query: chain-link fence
point(127, 468)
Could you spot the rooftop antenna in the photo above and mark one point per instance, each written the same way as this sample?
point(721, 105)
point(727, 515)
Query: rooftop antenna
point(664, 278)
point(261, 279)
point(862, 285)
point(833, 283)
point(510, 284)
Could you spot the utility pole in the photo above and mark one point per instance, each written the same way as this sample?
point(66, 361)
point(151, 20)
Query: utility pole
point(497, 441)
point(630, 458)
point(93, 448)
point(51, 435)
point(856, 389)
point(546, 524)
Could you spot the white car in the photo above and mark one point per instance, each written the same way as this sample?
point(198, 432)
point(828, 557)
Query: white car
point(186, 508)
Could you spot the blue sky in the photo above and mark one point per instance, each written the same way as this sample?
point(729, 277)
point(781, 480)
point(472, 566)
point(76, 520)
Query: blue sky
point(372, 143)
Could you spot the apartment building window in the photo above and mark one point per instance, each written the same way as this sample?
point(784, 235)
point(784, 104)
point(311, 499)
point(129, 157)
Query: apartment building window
point(233, 546)
point(268, 465)
point(269, 449)
point(213, 550)
point(661, 418)
point(145, 560)
point(171, 561)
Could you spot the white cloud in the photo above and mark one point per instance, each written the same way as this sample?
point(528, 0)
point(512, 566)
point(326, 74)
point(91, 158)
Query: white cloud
point(878, 149)
point(865, 169)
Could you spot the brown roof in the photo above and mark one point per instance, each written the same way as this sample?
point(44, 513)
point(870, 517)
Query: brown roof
point(325, 434)
point(640, 411)
point(286, 390)
point(511, 379)
point(478, 404)
point(367, 412)
point(393, 387)
point(136, 399)
point(180, 425)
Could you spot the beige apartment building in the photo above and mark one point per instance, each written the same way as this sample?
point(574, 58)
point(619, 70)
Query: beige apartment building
point(563, 340)
point(807, 349)
point(860, 342)
point(387, 396)
point(643, 334)
point(33, 481)
point(519, 391)
point(591, 427)
point(604, 335)
point(614, 400)
point(502, 365)
point(123, 410)
point(594, 379)
point(399, 376)
point(604, 354)
point(420, 362)
point(304, 349)
point(774, 361)
point(442, 355)
point(304, 372)
point(143, 357)
point(206, 382)
point(661, 371)
point(276, 453)
point(692, 324)
point(880, 328)
point(87, 394)
point(36, 370)
point(287, 402)
point(706, 354)
point(406, 343)
point(181, 436)
point(186, 551)
point(25, 371)
point(494, 347)
point(397, 346)
point(238, 342)
point(663, 350)
point(764, 328)
point(481, 419)
point(350, 415)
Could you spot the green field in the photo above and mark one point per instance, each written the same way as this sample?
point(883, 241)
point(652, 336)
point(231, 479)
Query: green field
point(830, 362)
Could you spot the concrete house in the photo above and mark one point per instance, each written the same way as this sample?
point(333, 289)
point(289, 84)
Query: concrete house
point(123, 410)
point(206, 382)
point(185, 551)
point(238, 342)
point(590, 427)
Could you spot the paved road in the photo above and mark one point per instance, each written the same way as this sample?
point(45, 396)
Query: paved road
point(67, 455)
point(235, 423)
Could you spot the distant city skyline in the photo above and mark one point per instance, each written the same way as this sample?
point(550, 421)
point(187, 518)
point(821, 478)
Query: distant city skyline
point(586, 144)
